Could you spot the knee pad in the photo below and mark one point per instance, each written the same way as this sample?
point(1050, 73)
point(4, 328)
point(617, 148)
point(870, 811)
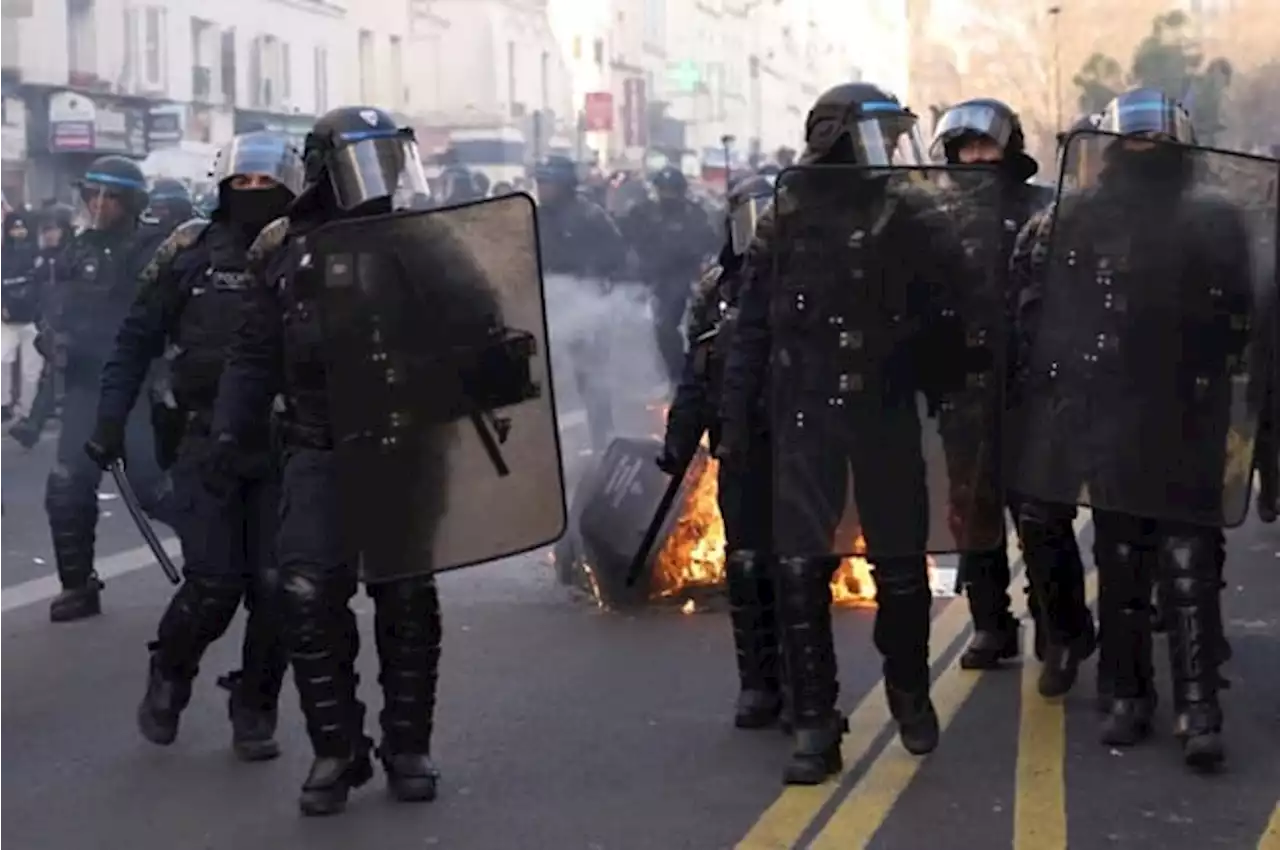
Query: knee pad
point(410, 607)
point(1189, 565)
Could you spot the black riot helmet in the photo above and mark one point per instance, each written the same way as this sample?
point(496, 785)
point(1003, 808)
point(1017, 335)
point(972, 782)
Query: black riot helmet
point(1147, 113)
point(1153, 130)
point(983, 119)
point(113, 191)
point(748, 199)
point(169, 200)
point(363, 157)
point(861, 124)
point(670, 184)
point(258, 175)
point(557, 180)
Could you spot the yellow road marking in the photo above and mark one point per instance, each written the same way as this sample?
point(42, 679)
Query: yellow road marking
point(1270, 839)
point(786, 819)
point(1040, 796)
point(781, 825)
point(864, 811)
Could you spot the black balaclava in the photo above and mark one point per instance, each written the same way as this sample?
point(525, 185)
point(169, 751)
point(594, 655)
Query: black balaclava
point(250, 210)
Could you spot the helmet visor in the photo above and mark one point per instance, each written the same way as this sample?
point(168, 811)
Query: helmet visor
point(383, 166)
point(266, 154)
point(743, 218)
point(978, 119)
point(103, 206)
point(889, 140)
point(1151, 117)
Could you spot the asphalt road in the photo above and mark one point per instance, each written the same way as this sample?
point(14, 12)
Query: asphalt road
point(563, 726)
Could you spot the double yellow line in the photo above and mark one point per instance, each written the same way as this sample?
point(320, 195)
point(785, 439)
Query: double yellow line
point(865, 807)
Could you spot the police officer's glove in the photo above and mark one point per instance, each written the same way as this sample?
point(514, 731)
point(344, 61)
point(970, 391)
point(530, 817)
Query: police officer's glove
point(219, 469)
point(669, 463)
point(106, 446)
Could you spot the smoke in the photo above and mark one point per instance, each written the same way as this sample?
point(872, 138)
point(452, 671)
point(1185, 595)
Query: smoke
point(603, 345)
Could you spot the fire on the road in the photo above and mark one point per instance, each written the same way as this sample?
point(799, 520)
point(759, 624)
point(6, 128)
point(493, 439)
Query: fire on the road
point(693, 555)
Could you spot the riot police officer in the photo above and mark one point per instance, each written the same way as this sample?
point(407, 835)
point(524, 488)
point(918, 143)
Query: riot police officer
point(358, 163)
point(578, 239)
point(986, 130)
point(458, 185)
point(743, 486)
point(671, 237)
point(822, 221)
point(170, 204)
point(192, 295)
point(95, 284)
point(1109, 399)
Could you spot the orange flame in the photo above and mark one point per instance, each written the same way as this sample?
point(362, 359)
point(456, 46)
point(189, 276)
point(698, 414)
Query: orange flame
point(692, 557)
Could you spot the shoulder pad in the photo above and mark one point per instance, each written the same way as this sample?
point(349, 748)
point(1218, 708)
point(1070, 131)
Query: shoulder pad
point(708, 282)
point(186, 234)
point(268, 241)
point(182, 238)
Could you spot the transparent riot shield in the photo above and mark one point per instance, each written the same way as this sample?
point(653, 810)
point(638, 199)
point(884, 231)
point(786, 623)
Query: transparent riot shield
point(1141, 379)
point(444, 423)
point(888, 335)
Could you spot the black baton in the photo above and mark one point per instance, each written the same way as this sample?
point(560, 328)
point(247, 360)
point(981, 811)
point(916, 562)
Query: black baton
point(144, 524)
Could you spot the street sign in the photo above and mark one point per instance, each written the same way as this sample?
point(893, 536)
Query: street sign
point(598, 112)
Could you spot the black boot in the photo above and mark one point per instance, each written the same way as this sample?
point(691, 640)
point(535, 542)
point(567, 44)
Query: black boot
point(1189, 572)
point(809, 664)
point(199, 613)
point(324, 644)
point(902, 636)
point(1220, 557)
point(755, 636)
point(1109, 609)
point(255, 688)
point(1057, 580)
point(72, 523)
point(995, 631)
point(1124, 568)
point(407, 629)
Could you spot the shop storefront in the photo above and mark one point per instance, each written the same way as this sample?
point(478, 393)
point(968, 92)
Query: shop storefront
point(76, 128)
point(15, 150)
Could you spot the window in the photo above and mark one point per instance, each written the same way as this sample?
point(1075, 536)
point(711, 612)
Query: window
point(269, 77)
point(228, 55)
point(598, 51)
point(511, 73)
point(577, 47)
point(153, 45)
point(544, 80)
point(81, 37)
point(286, 74)
point(322, 80)
point(368, 70)
point(395, 58)
point(655, 22)
point(206, 59)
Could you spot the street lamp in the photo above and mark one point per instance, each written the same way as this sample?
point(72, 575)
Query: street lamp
point(1055, 12)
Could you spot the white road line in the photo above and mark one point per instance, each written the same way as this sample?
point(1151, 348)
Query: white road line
point(37, 590)
point(46, 587)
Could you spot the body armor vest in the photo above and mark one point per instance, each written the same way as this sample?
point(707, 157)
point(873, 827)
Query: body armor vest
point(306, 404)
point(214, 278)
point(842, 306)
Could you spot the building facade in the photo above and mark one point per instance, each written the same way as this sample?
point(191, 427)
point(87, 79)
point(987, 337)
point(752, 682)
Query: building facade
point(166, 81)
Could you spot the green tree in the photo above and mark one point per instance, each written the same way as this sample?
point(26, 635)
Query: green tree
point(1168, 59)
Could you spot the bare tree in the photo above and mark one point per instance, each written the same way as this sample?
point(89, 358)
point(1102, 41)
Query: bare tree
point(1009, 54)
